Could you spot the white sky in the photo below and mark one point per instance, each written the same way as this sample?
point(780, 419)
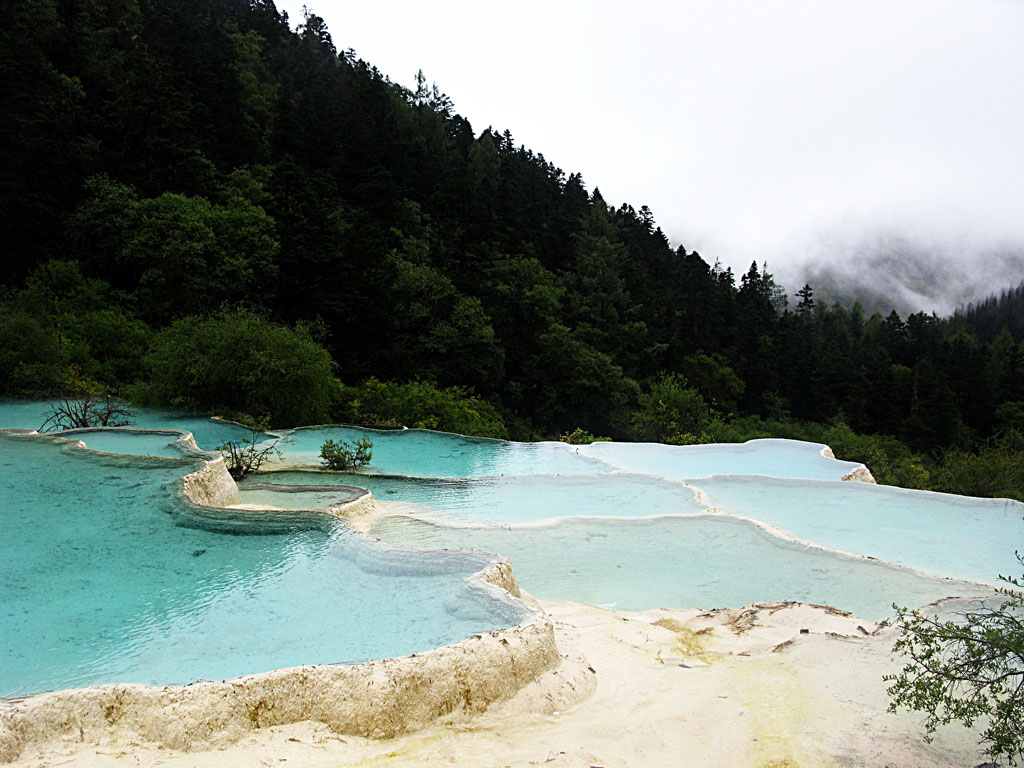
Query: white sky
point(753, 130)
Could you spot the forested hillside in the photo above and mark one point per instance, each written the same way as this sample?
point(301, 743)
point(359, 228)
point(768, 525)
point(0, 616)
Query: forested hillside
point(988, 318)
point(176, 171)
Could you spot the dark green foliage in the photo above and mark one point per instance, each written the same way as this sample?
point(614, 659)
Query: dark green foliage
point(672, 412)
point(714, 379)
point(237, 360)
point(179, 254)
point(63, 331)
point(162, 158)
point(341, 455)
point(581, 437)
point(996, 314)
point(420, 405)
point(995, 469)
point(190, 254)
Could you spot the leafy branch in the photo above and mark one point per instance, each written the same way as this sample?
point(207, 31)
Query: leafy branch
point(969, 668)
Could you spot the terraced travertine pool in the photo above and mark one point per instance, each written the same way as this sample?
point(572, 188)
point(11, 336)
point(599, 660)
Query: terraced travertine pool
point(113, 576)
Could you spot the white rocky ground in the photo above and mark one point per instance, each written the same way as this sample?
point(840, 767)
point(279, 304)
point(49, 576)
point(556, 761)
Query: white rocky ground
point(744, 688)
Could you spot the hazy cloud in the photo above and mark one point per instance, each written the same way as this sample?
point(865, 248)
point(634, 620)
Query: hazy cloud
point(753, 130)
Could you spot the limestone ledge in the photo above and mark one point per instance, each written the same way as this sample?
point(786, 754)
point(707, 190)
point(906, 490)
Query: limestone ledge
point(211, 485)
point(859, 475)
point(379, 699)
point(353, 511)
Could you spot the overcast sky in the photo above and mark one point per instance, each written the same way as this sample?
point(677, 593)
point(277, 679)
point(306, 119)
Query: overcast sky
point(776, 131)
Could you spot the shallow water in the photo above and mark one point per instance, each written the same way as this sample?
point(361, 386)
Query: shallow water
point(671, 562)
point(112, 577)
point(519, 499)
point(957, 536)
point(208, 433)
point(298, 497)
point(421, 453)
point(777, 458)
point(105, 579)
point(130, 442)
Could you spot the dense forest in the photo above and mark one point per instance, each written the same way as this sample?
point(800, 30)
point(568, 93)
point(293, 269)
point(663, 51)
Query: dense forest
point(206, 207)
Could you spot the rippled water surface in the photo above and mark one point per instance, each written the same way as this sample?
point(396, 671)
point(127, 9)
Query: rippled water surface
point(105, 579)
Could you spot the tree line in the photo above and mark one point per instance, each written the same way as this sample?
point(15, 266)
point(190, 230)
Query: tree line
point(206, 207)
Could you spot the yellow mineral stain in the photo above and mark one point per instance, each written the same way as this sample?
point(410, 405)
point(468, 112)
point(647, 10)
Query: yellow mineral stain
point(690, 643)
point(419, 746)
point(778, 709)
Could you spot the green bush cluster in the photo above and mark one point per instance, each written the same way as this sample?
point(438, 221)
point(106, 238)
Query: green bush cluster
point(580, 436)
point(340, 455)
point(237, 360)
point(419, 405)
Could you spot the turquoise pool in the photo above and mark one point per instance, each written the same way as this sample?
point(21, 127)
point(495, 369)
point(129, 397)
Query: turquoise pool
point(631, 526)
point(109, 576)
point(958, 536)
point(208, 433)
point(133, 442)
point(297, 496)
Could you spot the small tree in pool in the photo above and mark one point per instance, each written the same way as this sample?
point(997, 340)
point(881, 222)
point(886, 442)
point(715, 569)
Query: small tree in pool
point(86, 409)
point(341, 455)
point(244, 457)
point(84, 403)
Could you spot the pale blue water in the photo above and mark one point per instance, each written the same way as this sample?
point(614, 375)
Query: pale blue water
point(131, 441)
point(209, 433)
point(421, 453)
point(522, 498)
point(299, 496)
point(104, 580)
point(672, 562)
point(957, 536)
point(775, 457)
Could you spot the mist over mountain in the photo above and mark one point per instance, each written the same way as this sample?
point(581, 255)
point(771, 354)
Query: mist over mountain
point(908, 274)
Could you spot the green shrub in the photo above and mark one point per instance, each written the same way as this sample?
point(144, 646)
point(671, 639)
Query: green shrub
point(580, 436)
point(238, 360)
point(672, 412)
point(64, 324)
point(341, 455)
point(995, 470)
point(420, 405)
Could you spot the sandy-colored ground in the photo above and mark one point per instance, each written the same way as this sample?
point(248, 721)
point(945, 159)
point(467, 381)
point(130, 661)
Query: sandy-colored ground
point(659, 688)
